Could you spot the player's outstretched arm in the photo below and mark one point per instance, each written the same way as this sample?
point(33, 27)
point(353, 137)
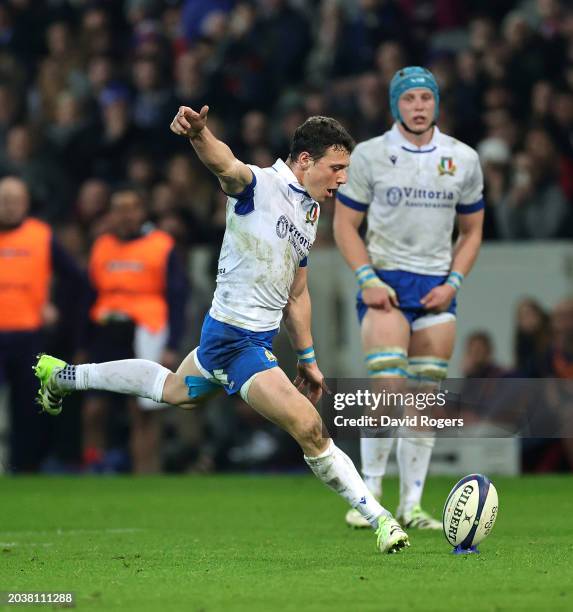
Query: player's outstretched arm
point(232, 173)
point(297, 317)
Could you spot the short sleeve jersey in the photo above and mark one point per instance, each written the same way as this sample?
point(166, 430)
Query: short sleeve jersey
point(271, 227)
point(411, 197)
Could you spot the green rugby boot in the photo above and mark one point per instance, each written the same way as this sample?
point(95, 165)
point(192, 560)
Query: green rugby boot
point(417, 518)
point(50, 393)
point(390, 537)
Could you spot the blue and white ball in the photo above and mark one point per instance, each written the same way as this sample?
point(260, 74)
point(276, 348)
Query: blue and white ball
point(470, 511)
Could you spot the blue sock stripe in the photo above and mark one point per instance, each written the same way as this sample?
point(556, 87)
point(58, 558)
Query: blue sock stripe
point(428, 372)
point(423, 378)
point(428, 361)
point(372, 356)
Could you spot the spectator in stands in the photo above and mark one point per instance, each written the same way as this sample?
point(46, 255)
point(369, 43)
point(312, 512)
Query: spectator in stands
point(525, 59)
point(49, 186)
point(534, 206)
point(241, 79)
point(562, 130)
point(141, 172)
point(69, 137)
point(100, 72)
point(560, 356)
point(29, 259)
point(531, 338)
point(196, 13)
point(495, 158)
point(253, 135)
point(140, 286)
point(542, 96)
point(9, 111)
point(190, 87)
point(118, 136)
point(284, 33)
point(478, 360)
point(152, 101)
point(192, 191)
point(96, 36)
point(558, 395)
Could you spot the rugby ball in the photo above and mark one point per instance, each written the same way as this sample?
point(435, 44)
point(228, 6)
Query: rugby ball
point(470, 511)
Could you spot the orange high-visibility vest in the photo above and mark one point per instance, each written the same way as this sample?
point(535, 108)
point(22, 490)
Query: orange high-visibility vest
point(130, 278)
point(25, 274)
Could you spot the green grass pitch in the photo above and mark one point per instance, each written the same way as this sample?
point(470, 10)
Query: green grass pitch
point(272, 543)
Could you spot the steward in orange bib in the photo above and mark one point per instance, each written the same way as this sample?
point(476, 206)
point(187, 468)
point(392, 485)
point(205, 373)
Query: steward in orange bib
point(29, 256)
point(140, 292)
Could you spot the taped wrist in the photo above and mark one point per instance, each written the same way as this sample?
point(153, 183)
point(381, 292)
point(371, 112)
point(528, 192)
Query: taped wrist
point(455, 280)
point(306, 355)
point(367, 278)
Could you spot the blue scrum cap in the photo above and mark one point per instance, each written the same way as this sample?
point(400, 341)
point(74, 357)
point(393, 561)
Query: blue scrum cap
point(412, 77)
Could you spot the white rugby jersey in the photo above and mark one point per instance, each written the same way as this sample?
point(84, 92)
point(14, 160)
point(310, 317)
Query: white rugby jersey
point(411, 196)
point(271, 226)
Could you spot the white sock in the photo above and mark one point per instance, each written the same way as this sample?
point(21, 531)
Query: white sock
point(413, 456)
point(139, 377)
point(337, 471)
point(374, 454)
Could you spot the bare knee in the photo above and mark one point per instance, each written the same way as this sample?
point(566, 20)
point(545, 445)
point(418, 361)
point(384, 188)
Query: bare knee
point(175, 391)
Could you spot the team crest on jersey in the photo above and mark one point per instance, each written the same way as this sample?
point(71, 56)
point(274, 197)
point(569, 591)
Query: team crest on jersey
point(282, 226)
point(269, 355)
point(447, 166)
point(312, 214)
point(394, 196)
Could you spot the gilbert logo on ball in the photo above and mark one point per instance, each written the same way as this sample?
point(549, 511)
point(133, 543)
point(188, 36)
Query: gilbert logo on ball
point(470, 512)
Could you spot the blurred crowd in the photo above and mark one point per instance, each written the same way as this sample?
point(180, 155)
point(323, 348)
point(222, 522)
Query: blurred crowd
point(542, 349)
point(88, 89)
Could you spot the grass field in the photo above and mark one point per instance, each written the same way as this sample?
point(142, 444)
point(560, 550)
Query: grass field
point(272, 543)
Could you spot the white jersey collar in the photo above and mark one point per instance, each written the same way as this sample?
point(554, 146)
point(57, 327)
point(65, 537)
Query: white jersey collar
point(285, 172)
point(398, 139)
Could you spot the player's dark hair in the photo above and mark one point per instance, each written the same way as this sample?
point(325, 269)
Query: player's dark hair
point(316, 135)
